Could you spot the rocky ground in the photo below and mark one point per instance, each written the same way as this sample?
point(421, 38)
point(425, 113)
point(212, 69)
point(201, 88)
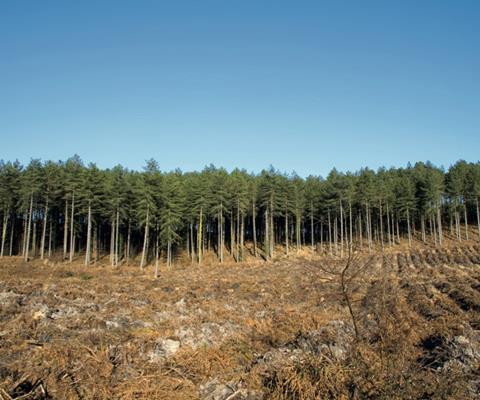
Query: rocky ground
point(383, 326)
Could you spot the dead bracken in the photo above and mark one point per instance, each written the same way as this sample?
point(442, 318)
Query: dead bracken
point(257, 330)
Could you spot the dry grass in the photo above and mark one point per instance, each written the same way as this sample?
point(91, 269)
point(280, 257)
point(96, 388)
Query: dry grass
point(281, 330)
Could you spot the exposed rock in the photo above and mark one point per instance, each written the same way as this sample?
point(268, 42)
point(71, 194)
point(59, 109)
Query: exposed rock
point(215, 390)
point(164, 348)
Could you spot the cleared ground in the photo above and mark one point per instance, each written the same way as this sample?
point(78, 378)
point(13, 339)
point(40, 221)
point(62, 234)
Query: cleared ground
point(250, 331)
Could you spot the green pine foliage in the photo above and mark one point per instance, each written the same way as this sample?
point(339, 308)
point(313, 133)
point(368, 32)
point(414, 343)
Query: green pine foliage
point(230, 215)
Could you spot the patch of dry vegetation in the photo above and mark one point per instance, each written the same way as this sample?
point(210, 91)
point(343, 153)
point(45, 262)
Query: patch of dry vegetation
point(397, 325)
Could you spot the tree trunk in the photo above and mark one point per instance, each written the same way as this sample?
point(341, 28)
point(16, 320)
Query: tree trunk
point(72, 244)
point(286, 233)
point(30, 212)
point(127, 253)
point(12, 229)
point(44, 230)
point(272, 230)
point(298, 223)
point(422, 222)
point(65, 230)
point(117, 223)
point(335, 235)
point(254, 229)
point(465, 219)
point(145, 237)
point(232, 235)
point(388, 227)
point(267, 232)
point(199, 236)
point(329, 233)
point(341, 229)
point(439, 223)
point(156, 251)
point(381, 223)
point(95, 244)
point(50, 240)
point(34, 236)
point(237, 235)
point(478, 220)
point(408, 228)
point(242, 236)
point(112, 242)
point(321, 236)
point(351, 226)
point(4, 232)
point(89, 233)
point(360, 229)
point(169, 253)
point(312, 233)
point(192, 244)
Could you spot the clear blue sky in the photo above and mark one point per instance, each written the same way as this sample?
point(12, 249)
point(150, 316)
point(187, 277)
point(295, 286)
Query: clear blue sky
point(302, 85)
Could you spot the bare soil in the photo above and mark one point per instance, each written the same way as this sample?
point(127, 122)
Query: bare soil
point(278, 330)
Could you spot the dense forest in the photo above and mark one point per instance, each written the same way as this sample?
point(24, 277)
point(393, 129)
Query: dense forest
point(69, 210)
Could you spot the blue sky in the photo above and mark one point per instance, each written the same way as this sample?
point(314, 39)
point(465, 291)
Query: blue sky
point(302, 85)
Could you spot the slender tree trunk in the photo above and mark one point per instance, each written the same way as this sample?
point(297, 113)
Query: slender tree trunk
point(398, 231)
point(95, 244)
point(369, 226)
point(24, 236)
point(408, 228)
point(117, 223)
point(465, 219)
point(439, 223)
point(254, 229)
point(34, 236)
point(50, 239)
point(272, 230)
point(381, 223)
point(335, 235)
point(267, 232)
point(44, 230)
point(232, 235)
point(388, 227)
point(65, 230)
point(89, 234)
point(286, 233)
point(112, 242)
point(242, 236)
point(298, 222)
point(127, 254)
point(329, 233)
point(145, 237)
point(237, 235)
point(457, 225)
point(341, 229)
point(72, 244)
point(200, 236)
point(321, 236)
point(169, 253)
point(12, 229)
point(192, 244)
point(156, 251)
point(30, 212)
point(312, 233)
point(478, 219)
point(4, 231)
point(360, 229)
point(350, 223)
point(422, 222)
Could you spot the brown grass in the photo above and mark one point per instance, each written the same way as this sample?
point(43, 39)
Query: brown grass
point(279, 330)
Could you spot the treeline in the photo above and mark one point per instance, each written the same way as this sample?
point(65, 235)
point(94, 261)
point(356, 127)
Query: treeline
point(69, 209)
